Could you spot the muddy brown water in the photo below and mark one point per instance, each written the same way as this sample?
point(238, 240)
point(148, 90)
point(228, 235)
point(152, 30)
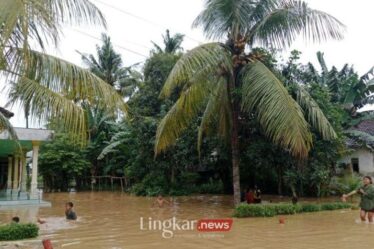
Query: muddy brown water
point(112, 220)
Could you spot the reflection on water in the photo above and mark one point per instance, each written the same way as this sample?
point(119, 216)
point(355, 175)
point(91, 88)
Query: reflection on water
point(112, 220)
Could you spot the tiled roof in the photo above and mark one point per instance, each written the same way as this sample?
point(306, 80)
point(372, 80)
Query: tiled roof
point(360, 139)
point(366, 126)
point(6, 113)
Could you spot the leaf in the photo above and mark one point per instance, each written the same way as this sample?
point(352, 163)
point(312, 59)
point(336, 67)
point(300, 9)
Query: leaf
point(279, 115)
point(315, 115)
point(218, 110)
point(5, 125)
point(281, 25)
point(204, 60)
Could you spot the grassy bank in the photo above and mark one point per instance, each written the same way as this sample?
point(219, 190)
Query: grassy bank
point(270, 210)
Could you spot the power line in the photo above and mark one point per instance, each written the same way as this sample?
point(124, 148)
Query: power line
point(141, 18)
point(116, 45)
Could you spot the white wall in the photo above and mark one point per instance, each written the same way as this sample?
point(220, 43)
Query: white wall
point(365, 160)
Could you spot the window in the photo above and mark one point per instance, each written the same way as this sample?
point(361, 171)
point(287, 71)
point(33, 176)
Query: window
point(355, 165)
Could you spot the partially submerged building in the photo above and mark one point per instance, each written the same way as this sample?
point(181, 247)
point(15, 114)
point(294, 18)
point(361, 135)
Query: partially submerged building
point(14, 171)
point(361, 143)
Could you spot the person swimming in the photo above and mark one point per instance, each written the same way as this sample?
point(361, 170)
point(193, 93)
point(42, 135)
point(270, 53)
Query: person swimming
point(69, 213)
point(367, 198)
point(160, 201)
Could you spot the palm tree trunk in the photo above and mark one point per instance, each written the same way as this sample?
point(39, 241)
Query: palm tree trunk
point(235, 140)
point(235, 155)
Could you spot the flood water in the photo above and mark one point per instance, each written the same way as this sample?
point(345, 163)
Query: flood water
point(112, 220)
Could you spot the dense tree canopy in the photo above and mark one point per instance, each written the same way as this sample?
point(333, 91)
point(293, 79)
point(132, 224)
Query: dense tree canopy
point(227, 81)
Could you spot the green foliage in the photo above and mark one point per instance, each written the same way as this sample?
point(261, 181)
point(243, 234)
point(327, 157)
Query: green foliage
point(269, 210)
point(212, 187)
point(335, 206)
point(221, 82)
point(152, 184)
point(172, 44)
point(286, 208)
point(61, 161)
point(344, 184)
point(310, 207)
point(18, 231)
point(108, 66)
point(254, 210)
point(48, 87)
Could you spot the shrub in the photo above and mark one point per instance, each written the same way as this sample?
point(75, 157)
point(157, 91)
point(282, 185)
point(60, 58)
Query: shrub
point(344, 184)
point(335, 206)
point(285, 208)
point(310, 207)
point(254, 210)
point(211, 187)
point(269, 210)
point(188, 179)
point(18, 231)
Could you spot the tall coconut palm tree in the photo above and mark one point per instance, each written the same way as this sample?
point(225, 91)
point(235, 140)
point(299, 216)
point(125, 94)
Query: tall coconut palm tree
point(52, 88)
point(172, 44)
point(227, 80)
point(108, 66)
point(108, 63)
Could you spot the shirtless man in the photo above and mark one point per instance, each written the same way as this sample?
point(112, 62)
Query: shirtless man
point(160, 201)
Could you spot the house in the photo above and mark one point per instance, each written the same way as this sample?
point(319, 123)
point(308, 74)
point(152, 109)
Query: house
point(13, 165)
point(361, 142)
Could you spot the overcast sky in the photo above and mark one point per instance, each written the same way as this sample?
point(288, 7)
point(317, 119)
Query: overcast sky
point(132, 26)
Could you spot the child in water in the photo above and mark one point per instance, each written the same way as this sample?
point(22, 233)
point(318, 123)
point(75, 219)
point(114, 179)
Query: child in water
point(69, 213)
point(367, 199)
point(160, 201)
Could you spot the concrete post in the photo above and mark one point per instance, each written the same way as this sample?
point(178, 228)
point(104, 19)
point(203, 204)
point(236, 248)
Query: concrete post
point(24, 173)
point(10, 175)
point(16, 173)
point(34, 175)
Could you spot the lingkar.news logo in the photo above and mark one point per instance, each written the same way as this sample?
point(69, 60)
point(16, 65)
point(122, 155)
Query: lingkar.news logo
point(169, 226)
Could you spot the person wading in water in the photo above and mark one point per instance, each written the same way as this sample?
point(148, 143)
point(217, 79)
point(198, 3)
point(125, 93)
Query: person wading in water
point(367, 199)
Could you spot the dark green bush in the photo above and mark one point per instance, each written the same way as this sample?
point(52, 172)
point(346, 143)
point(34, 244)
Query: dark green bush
point(211, 187)
point(335, 206)
point(284, 208)
point(310, 207)
point(18, 231)
point(269, 210)
point(254, 210)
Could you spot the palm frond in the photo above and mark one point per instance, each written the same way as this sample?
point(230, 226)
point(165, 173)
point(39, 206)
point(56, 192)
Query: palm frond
point(41, 20)
point(5, 125)
point(222, 17)
point(216, 111)
point(315, 115)
point(47, 105)
point(115, 141)
point(280, 27)
point(65, 78)
point(76, 12)
point(204, 59)
point(188, 105)
point(278, 113)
